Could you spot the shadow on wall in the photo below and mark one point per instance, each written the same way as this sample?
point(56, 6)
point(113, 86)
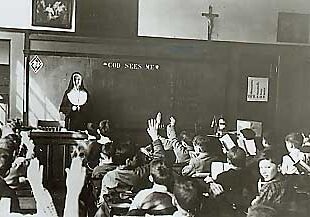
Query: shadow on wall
point(40, 106)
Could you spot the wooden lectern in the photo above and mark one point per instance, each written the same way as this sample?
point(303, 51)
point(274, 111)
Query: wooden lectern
point(53, 150)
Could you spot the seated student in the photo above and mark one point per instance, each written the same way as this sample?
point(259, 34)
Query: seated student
point(156, 200)
point(89, 155)
point(106, 162)
point(229, 185)
point(180, 146)
point(261, 211)
point(295, 157)
point(44, 204)
point(272, 187)
point(104, 130)
point(130, 173)
point(202, 158)
point(7, 150)
point(187, 198)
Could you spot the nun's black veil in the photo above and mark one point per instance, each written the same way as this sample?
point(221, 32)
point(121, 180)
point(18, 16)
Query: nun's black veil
point(71, 84)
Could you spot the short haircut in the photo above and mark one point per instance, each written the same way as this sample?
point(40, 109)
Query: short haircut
point(202, 142)
point(160, 172)
point(295, 138)
point(248, 133)
point(186, 136)
point(210, 145)
point(188, 194)
point(8, 143)
point(237, 156)
point(108, 149)
point(104, 126)
point(272, 155)
point(261, 211)
point(124, 151)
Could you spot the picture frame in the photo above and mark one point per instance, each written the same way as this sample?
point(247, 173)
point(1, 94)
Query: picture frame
point(52, 13)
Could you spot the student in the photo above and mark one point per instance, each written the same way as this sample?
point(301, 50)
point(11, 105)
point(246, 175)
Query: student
point(130, 174)
point(75, 104)
point(44, 203)
point(272, 188)
point(7, 154)
point(104, 130)
point(187, 198)
point(180, 146)
point(201, 158)
point(156, 200)
point(229, 185)
point(290, 161)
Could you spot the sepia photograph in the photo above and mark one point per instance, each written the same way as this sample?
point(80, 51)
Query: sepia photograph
point(168, 108)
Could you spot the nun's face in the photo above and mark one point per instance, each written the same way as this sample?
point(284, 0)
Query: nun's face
point(77, 81)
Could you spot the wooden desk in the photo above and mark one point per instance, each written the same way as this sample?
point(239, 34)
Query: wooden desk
point(53, 150)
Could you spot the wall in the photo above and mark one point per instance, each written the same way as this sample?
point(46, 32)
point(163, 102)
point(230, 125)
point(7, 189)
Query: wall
point(197, 79)
point(239, 20)
point(16, 72)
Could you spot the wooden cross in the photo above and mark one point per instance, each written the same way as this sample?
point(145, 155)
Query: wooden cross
point(210, 16)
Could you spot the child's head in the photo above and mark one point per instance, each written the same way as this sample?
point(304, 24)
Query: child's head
point(7, 152)
point(104, 127)
point(267, 139)
point(261, 211)
point(293, 141)
point(269, 165)
point(200, 144)
point(160, 173)
point(186, 136)
point(237, 157)
point(107, 151)
point(125, 153)
point(188, 195)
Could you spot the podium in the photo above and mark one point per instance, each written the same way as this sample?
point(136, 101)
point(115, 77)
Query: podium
point(53, 151)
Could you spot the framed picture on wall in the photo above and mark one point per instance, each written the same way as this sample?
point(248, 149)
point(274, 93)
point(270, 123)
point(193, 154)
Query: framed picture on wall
point(52, 13)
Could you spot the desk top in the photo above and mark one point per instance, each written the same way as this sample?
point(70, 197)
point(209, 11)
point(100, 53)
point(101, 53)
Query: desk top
point(58, 135)
point(58, 138)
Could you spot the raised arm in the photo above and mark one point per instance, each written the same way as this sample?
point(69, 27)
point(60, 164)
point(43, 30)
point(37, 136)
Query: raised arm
point(171, 134)
point(45, 205)
point(75, 181)
point(152, 130)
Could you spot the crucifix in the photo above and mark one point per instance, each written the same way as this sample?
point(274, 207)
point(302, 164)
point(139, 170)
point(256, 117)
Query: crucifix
point(210, 16)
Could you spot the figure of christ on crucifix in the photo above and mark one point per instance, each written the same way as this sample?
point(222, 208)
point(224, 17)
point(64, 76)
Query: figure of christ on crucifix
point(210, 16)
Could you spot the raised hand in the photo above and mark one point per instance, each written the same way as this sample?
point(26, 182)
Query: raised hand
point(158, 118)
point(152, 129)
point(35, 174)
point(75, 177)
point(172, 121)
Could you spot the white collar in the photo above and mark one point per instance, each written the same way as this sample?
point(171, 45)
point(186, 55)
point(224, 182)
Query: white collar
point(77, 97)
point(159, 188)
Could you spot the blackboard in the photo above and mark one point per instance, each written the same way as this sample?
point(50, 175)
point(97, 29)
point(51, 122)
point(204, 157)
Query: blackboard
point(191, 91)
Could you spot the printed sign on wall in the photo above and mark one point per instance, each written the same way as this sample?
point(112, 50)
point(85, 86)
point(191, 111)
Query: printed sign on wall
point(257, 89)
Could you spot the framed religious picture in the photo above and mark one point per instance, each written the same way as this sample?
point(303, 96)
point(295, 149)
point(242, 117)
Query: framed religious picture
point(52, 13)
